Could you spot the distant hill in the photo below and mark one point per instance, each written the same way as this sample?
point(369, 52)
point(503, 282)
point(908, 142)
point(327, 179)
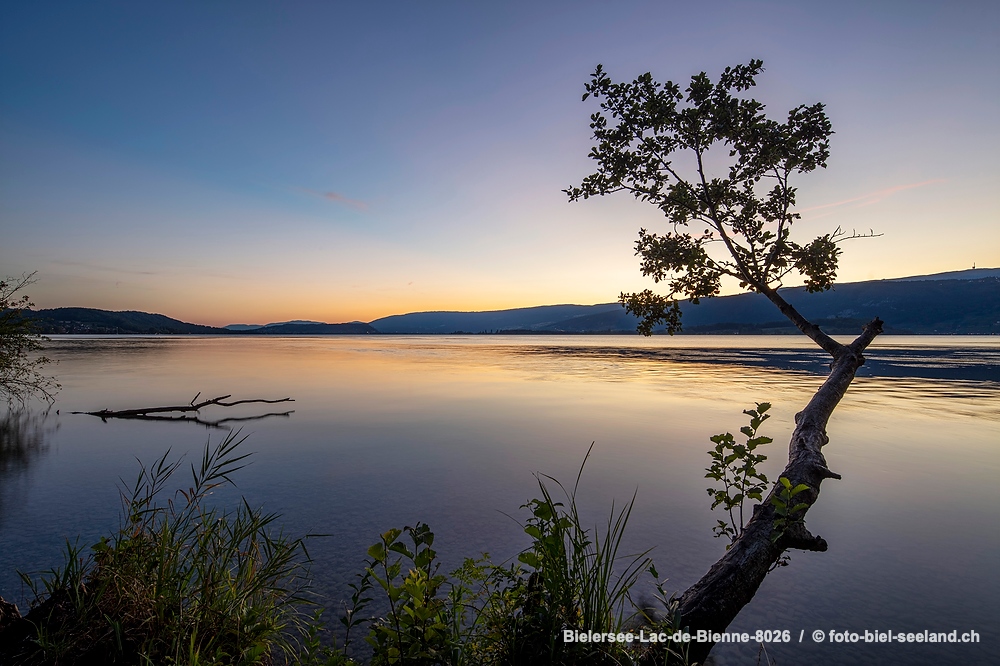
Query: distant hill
point(923, 305)
point(968, 274)
point(93, 321)
point(540, 318)
point(295, 328)
point(104, 322)
point(242, 327)
point(959, 302)
point(250, 327)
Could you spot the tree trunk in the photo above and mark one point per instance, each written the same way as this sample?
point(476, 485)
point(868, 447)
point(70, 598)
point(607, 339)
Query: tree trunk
point(714, 601)
point(810, 329)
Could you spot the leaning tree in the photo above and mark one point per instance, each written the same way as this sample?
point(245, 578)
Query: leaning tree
point(720, 171)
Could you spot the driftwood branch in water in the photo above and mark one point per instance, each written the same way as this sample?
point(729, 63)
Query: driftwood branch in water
point(188, 418)
point(714, 601)
point(184, 412)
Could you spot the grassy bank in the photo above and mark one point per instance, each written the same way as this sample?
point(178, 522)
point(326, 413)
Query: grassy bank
point(185, 582)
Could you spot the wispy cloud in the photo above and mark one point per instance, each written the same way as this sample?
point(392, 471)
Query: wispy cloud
point(873, 197)
point(337, 197)
point(182, 268)
point(98, 267)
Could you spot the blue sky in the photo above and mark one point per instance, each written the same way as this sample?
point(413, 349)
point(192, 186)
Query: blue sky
point(260, 161)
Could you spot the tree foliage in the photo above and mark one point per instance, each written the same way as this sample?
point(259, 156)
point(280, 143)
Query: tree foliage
point(20, 360)
point(720, 171)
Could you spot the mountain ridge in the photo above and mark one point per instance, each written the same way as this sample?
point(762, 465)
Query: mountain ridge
point(92, 321)
point(956, 302)
point(917, 305)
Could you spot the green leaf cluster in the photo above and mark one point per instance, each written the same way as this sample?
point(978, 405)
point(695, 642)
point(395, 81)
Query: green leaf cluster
point(734, 465)
point(416, 629)
point(787, 510)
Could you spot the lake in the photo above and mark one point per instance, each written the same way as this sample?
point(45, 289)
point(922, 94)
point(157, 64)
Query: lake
point(390, 430)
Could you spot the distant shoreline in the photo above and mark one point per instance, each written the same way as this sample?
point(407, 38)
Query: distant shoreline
point(658, 334)
point(910, 306)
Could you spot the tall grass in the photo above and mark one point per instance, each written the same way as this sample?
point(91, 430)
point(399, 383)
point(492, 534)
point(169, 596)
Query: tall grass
point(180, 582)
point(571, 577)
point(576, 579)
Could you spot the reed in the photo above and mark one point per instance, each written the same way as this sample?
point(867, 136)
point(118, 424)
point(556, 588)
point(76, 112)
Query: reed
point(577, 579)
point(180, 582)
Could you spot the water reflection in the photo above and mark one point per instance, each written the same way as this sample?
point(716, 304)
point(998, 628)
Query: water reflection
point(960, 364)
point(24, 437)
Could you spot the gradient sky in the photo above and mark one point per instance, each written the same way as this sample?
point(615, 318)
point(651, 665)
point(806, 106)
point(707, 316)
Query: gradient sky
point(259, 161)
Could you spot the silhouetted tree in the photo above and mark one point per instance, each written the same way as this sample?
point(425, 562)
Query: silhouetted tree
point(20, 360)
point(720, 171)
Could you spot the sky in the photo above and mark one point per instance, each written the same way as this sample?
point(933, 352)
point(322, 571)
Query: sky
point(250, 162)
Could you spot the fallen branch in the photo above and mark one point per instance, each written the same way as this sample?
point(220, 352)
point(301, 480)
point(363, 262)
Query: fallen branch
point(147, 413)
point(217, 423)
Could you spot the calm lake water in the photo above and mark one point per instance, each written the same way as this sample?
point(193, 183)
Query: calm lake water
point(387, 431)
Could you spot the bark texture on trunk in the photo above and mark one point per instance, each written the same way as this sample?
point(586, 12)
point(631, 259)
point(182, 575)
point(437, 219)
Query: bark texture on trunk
point(714, 601)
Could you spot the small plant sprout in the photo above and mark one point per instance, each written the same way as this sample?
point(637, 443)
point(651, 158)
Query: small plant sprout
point(735, 467)
point(788, 513)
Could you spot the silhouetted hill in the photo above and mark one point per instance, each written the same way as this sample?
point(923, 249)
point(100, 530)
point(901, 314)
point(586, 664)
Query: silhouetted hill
point(103, 322)
point(353, 328)
point(90, 320)
point(250, 327)
point(967, 274)
point(960, 302)
point(540, 318)
point(922, 305)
